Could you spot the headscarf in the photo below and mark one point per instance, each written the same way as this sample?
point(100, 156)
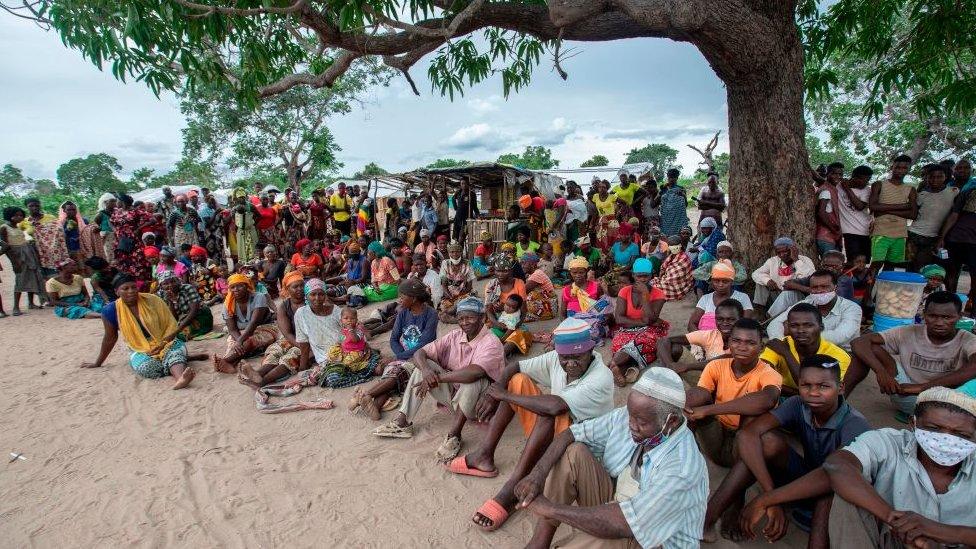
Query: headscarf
point(314, 284)
point(198, 251)
point(930, 271)
point(503, 262)
point(232, 280)
point(643, 266)
point(120, 279)
point(724, 244)
point(150, 252)
point(723, 269)
point(301, 244)
point(288, 279)
point(168, 250)
point(525, 201)
point(708, 222)
point(508, 247)
point(63, 216)
point(64, 263)
point(164, 276)
point(105, 199)
point(626, 229)
point(662, 384)
point(471, 304)
point(583, 240)
point(485, 235)
point(354, 248)
point(147, 236)
point(531, 257)
point(784, 241)
point(377, 248)
point(578, 263)
point(455, 246)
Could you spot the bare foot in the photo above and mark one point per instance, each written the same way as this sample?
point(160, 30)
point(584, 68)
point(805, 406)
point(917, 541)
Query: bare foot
point(250, 374)
point(354, 400)
point(185, 379)
point(222, 366)
point(242, 379)
point(710, 535)
point(730, 524)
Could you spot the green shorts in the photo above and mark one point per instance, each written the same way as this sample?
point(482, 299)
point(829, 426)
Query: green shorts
point(886, 248)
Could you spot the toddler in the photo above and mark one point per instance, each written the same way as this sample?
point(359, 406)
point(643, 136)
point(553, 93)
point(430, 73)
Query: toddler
point(351, 351)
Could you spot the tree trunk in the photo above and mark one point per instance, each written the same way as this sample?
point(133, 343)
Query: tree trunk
point(293, 177)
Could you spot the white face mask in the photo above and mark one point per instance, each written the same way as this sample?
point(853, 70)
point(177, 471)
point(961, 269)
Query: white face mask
point(674, 248)
point(822, 299)
point(945, 449)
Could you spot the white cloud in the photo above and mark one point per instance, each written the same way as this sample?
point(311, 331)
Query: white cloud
point(475, 136)
point(484, 106)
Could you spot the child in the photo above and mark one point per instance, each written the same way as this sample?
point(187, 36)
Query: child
point(546, 262)
point(508, 326)
point(24, 258)
point(351, 351)
point(272, 270)
point(935, 282)
point(823, 422)
point(861, 276)
point(486, 249)
point(101, 280)
point(220, 284)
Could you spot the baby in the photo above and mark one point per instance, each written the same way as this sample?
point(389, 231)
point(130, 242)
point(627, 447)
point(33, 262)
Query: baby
point(509, 320)
point(351, 351)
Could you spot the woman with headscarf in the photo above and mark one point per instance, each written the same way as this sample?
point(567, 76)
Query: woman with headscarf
point(480, 263)
point(168, 263)
point(540, 296)
point(266, 221)
point(193, 318)
point(294, 219)
point(102, 236)
point(357, 266)
point(637, 315)
point(705, 244)
point(47, 235)
point(250, 323)
point(305, 260)
point(182, 223)
point(457, 278)
point(282, 357)
point(149, 329)
point(497, 291)
point(384, 276)
point(128, 223)
point(72, 223)
point(703, 273)
point(212, 219)
point(703, 317)
point(245, 228)
point(67, 292)
point(584, 299)
point(23, 258)
point(675, 278)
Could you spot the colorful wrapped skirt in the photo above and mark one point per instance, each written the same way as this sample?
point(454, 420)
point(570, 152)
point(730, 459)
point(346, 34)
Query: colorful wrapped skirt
point(153, 368)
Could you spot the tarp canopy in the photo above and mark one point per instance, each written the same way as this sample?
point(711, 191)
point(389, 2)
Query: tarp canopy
point(584, 176)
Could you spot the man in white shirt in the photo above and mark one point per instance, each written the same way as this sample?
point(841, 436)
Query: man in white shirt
point(579, 387)
point(430, 277)
point(935, 201)
point(771, 276)
point(855, 217)
point(841, 317)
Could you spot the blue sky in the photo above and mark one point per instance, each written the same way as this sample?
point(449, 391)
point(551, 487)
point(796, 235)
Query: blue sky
point(54, 106)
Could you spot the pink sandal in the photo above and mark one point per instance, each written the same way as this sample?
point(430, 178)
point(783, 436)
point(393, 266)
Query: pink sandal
point(493, 511)
point(459, 466)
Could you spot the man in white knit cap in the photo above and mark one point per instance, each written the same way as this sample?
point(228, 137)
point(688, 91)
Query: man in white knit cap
point(635, 474)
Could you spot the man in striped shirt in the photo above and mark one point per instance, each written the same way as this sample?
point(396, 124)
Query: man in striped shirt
point(636, 475)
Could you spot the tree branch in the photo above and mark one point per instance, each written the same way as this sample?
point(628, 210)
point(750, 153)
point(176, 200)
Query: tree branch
point(339, 66)
point(206, 9)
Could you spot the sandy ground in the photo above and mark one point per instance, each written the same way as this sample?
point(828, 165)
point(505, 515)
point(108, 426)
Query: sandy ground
point(115, 460)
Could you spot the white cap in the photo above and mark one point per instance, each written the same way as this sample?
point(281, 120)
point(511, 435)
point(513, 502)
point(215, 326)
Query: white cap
point(663, 384)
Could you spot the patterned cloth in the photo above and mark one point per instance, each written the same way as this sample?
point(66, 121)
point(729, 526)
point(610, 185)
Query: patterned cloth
point(131, 259)
point(153, 368)
point(49, 238)
point(640, 343)
point(676, 278)
point(674, 215)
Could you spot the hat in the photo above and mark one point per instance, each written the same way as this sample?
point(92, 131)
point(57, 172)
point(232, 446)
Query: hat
point(962, 397)
point(643, 266)
point(454, 246)
point(525, 201)
point(572, 336)
point(578, 263)
point(168, 251)
point(413, 287)
point(663, 384)
point(784, 241)
point(930, 271)
point(150, 252)
point(508, 247)
point(724, 244)
point(626, 229)
point(723, 269)
point(424, 232)
point(198, 251)
point(708, 222)
point(300, 245)
point(471, 304)
point(402, 230)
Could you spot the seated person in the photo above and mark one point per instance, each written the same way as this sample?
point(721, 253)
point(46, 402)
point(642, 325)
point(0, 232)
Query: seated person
point(909, 359)
point(934, 282)
point(637, 313)
point(624, 251)
point(578, 387)
point(804, 329)
point(703, 273)
point(703, 317)
point(635, 475)
point(675, 278)
point(823, 422)
point(523, 244)
point(841, 317)
point(357, 266)
point(915, 488)
point(771, 276)
point(456, 370)
point(585, 251)
point(731, 392)
point(710, 343)
point(508, 326)
point(272, 270)
point(419, 269)
point(798, 288)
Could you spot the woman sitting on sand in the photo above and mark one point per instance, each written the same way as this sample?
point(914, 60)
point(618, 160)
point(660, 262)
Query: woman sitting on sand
point(168, 262)
point(68, 293)
point(149, 329)
point(540, 301)
point(384, 276)
point(282, 357)
point(250, 323)
point(639, 326)
point(192, 317)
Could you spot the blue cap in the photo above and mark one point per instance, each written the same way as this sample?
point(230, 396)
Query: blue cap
point(643, 266)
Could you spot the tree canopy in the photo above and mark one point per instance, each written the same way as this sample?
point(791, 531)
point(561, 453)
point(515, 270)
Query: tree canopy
point(94, 174)
point(447, 163)
point(597, 161)
point(532, 158)
point(659, 155)
point(369, 170)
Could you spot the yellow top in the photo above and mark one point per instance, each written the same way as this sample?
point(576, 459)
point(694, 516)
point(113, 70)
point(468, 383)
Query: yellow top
point(605, 207)
point(342, 204)
point(826, 348)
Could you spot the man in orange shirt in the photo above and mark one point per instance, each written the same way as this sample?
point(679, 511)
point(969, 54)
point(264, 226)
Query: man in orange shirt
point(732, 391)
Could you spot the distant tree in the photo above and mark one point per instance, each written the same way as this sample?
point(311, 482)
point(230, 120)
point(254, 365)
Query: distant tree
point(720, 164)
point(92, 175)
point(11, 175)
point(447, 163)
point(533, 158)
point(188, 172)
point(658, 155)
point(370, 170)
point(141, 178)
point(821, 154)
point(595, 162)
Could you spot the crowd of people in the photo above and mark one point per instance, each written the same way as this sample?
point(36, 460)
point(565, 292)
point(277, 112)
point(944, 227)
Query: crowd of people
point(760, 385)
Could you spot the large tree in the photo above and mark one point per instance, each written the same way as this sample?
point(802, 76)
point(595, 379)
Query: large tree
point(661, 157)
point(532, 158)
point(92, 175)
point(756, 47)
point(597, 161)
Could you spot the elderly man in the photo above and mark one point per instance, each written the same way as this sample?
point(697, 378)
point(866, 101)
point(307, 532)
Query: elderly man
point(772, 276)
point(841, 317)
point(579, 387)
point(897, 488)
point(797, 289)
point(635, 474)
point(456, 370)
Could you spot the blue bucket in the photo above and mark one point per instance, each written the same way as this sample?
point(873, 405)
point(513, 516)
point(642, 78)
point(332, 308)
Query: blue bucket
point(902, 277)
point(883, 323)
point(964, 298)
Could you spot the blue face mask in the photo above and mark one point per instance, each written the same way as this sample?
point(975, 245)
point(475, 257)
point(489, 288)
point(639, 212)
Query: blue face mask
point(657, 439)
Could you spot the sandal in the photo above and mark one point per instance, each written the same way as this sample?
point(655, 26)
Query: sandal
point(449, 449)
point(459, 466)
point(392, 403)
point(493, 511)
point(392, 430)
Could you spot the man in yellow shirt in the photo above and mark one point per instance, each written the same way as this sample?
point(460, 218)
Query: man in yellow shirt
point(625, 190)
point(803, 327)
point(340, 204)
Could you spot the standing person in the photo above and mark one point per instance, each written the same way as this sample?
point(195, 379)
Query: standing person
point(165, 204)
point(103, 220)
point(934, 204)
point(73, 225)
point(245, 224)
point(443, 215)
point(23, 258)
point(893, 203)
point(128, 222)
point(340, 204)
point(182, 223)
point(958, 237)
point(650, 205)
point(854, 214)
point(266, 221)
point(213, 228)
point(636, 475)
point(829, 234)
point(48, 236)
point(465, 208)
point(912, 488)
point(576, 216)
point(456, 370)
point(962, 175)
point(711, 200)
point(674, 204)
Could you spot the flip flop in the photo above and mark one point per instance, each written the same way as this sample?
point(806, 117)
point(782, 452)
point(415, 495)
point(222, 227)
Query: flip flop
point(493, 510)
point(459, 466)
point(18, 313)
point(391, 403)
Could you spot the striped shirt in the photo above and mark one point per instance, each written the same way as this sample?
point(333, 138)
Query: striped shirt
point(669, 509)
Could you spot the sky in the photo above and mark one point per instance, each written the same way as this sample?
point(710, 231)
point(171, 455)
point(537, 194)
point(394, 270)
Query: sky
point(55, 105)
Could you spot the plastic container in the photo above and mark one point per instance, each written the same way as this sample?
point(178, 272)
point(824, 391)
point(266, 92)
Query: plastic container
point(966, 324)
point(883, 323)
point(964, 298)
point(898, 294)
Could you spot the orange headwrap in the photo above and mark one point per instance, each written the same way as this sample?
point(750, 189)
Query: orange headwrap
point(236, 278)
point(288, 280)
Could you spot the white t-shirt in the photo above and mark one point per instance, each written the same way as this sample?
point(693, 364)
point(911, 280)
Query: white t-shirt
point(707, 301)
point(588, 397)
point(320, 332)
point(825, 195)
point(432, 280)
point(852, 220)
point(933, 209)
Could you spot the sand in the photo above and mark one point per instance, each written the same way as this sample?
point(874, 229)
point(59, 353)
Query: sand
point(116, 460)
